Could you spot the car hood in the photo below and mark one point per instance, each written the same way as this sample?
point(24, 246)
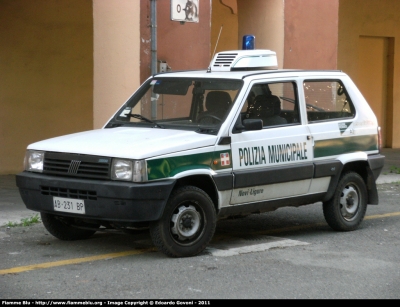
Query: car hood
point(126, 142)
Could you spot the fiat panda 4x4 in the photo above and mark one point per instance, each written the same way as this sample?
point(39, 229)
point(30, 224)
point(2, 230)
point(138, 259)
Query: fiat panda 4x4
point(189, 148)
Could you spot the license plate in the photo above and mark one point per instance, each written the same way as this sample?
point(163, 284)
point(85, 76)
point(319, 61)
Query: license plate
point(69, 205)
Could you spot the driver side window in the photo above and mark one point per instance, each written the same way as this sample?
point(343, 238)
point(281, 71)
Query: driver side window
point(275, 103)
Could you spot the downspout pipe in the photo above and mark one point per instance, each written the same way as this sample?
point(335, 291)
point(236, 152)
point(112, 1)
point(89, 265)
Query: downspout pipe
point(153, 36)
point(153, 9)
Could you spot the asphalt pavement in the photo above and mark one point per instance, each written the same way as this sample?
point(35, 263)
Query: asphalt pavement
point(12, 208)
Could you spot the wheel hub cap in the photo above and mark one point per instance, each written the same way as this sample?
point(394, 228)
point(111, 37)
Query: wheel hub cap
point(186, 222)
point(349, 202)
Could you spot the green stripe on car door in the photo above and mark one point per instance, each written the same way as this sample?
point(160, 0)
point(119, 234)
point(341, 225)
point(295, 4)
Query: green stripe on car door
point(333, 147)
point(169, 167)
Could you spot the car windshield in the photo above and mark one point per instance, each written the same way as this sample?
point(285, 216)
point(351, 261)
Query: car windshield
point(179, 103)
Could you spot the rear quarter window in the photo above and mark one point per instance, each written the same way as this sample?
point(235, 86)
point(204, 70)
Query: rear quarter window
point(327, 100)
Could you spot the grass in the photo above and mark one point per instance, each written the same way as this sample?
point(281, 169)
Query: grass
point(25, 222)
point(395, 169)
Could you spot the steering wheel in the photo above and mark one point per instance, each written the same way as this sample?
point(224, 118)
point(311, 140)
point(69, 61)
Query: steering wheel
point(209, 116)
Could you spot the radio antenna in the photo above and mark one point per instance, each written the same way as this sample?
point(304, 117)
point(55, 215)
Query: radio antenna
point(220, 30)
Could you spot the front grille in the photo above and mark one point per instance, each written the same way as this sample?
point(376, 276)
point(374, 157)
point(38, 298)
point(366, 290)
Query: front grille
point(224, 59)
point(74, 165)
point(68, 193)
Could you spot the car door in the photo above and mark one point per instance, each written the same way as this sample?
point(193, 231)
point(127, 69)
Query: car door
point(277, 161)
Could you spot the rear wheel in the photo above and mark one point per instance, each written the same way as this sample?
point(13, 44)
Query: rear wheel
point(187, 225)
point(346, 210)
point(66, 228)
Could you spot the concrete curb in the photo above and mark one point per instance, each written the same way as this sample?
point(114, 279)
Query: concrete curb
point(389, 178)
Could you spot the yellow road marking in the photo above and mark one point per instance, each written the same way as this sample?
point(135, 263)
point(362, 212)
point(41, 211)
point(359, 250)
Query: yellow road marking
point(382, 215)
point(45, 265)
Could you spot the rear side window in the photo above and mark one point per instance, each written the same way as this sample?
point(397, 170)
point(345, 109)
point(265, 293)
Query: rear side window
point(327, 100)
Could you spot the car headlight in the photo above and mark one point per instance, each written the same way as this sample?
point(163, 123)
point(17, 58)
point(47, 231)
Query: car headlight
point(34, 161)
point(129, 170)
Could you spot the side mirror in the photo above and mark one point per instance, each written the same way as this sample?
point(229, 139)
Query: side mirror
point(253, 124)
point(248, 125)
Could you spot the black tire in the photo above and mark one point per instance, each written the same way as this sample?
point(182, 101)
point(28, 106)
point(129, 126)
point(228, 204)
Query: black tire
point(187, 225)
point(347, 208)
point(61, 227)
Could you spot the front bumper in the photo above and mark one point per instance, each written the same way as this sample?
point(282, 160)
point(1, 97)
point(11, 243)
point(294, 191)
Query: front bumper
point(104, 200)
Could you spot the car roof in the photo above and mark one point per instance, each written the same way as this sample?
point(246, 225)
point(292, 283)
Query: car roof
point(256, 74)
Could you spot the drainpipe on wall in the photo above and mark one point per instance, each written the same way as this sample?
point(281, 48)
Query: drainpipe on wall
point(153, 25)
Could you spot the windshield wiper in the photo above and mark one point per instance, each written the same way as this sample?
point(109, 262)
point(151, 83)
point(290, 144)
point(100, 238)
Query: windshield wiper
point(203, 130)
point(138, 116)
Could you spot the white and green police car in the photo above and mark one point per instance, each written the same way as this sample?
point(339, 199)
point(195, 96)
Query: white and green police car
point(189, 148)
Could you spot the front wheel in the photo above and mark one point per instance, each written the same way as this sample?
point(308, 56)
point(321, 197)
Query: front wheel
point(346, 210)
point(187, 225)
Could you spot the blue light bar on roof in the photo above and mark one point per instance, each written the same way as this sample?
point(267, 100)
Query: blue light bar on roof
point(248, 42)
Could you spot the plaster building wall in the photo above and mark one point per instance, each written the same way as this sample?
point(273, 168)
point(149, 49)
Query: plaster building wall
point(182, 46)
point(311, 34)
point(368, 45)
point(224, 25)
point(116, 27)
point(46, 80)
point(265, 20)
